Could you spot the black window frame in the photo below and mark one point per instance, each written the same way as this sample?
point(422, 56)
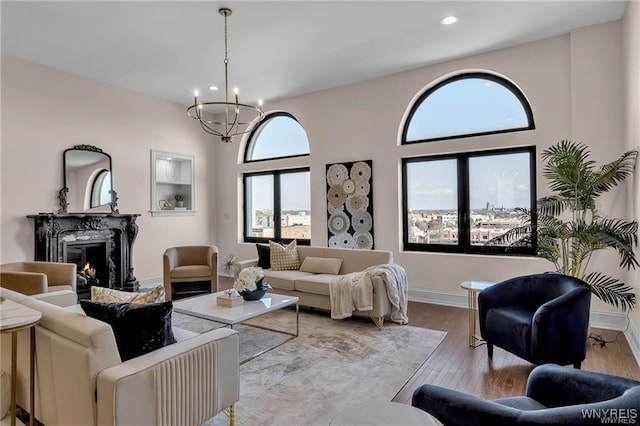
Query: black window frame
point(256, 131)
point(464, 211)
point(277, 208)
point(482, 75)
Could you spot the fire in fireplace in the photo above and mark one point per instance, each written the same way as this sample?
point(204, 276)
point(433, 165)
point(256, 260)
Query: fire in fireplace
point(93, 262)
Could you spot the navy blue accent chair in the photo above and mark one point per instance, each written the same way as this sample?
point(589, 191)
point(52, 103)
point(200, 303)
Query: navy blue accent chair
point(555, 396)
point(542, 318)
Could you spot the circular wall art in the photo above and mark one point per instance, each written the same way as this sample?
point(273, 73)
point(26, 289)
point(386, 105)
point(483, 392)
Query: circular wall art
point(350, 205)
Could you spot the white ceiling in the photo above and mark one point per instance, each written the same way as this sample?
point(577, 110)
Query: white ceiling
point(276, 49)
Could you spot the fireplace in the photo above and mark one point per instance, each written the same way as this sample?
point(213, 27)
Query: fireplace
point(100, 244)
point(95, 264)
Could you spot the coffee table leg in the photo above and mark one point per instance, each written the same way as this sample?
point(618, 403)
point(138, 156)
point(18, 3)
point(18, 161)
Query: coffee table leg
point(297, 319)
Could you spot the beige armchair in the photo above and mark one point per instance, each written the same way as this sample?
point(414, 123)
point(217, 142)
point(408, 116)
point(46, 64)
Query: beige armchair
point(81, 380)
point(38, 277)
point(186, 268)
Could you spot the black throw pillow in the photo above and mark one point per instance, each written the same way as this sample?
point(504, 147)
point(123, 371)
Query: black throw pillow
point(138, 329)
point(264, 256)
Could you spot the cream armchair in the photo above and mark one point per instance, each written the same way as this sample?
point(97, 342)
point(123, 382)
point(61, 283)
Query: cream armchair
point(38, 277)
point(82, 381)
point(187, 266)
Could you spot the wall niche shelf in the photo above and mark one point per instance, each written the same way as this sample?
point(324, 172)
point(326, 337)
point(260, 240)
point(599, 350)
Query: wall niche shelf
point(172, 174)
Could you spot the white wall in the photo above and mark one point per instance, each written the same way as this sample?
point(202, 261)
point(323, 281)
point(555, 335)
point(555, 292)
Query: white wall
point(631, 80)
point(363, 121)
point(45, 111)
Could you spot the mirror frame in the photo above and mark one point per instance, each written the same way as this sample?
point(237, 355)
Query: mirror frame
point(62, 194)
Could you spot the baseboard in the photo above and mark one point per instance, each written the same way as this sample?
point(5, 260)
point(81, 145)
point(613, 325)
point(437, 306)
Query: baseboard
point(633, 338)
point(598, 319)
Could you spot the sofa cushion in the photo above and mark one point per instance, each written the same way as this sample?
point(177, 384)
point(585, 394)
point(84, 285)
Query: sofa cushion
point(321, 265)
point(264, 256)
point(284, 258)
point(191, 271)
point(283, 280)
point(103, 294)
point(315, 284)
point(138, 329)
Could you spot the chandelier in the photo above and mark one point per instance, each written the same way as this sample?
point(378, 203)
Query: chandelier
point(233, 124)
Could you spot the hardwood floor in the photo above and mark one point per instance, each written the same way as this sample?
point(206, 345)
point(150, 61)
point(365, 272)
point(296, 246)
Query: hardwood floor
point(457, 366)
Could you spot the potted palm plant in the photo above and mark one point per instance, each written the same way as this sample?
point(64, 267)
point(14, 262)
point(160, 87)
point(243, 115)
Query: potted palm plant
point(569, 226)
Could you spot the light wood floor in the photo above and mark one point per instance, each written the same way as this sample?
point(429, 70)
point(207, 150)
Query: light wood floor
point(457, 366)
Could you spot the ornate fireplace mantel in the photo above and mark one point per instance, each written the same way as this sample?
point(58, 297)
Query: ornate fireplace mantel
point(54, 232)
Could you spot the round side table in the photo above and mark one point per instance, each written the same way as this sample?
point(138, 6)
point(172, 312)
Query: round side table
point(473, 288)
point(383, 414)
point(14, 318)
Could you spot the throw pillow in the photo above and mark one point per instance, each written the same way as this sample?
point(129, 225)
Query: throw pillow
point(264, 256)
point(138, 329)
point(284, 258)
point(321, 265)
point(103, 294)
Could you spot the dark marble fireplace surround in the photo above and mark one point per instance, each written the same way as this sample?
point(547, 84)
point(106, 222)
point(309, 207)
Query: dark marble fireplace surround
point(104, 239)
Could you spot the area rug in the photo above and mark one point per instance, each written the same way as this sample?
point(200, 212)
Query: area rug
point(329, 367)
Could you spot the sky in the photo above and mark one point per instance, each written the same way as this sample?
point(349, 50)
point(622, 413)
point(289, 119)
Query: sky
point(463, 106)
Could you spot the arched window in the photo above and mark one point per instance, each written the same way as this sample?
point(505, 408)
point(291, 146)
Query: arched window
point(279, 135)
point(469, 104)
point(277, 202)
point(462, 201)
point(100, 189)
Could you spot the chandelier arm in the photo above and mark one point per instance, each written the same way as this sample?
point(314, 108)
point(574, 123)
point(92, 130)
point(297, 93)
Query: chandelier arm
point(210, 130)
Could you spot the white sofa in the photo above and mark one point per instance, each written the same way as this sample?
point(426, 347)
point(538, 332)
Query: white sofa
point(313, 288)
point(80, 379)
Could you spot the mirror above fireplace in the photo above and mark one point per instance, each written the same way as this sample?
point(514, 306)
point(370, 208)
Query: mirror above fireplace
point(87, 181)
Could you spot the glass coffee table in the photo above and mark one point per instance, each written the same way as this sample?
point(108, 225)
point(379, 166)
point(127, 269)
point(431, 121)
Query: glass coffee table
point(207, 307)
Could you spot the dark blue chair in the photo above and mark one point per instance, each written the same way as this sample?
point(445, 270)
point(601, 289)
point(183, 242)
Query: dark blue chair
point(555, 396)
point(542, 318)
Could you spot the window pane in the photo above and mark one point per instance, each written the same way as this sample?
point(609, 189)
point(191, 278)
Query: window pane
point(295, 202)
point(467, 106)
point(432, 201)
point(498, 184)
point(280, 136)
point(259, 206)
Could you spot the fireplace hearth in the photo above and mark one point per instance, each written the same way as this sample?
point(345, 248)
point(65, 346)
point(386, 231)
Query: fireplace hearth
point(100, 244)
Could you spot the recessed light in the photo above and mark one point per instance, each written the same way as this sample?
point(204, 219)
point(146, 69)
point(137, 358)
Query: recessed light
point(448, 20)
point(213, 87)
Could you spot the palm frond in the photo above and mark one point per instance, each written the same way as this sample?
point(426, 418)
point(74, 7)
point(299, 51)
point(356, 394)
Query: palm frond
point(611, 290)
point(613, 173)
point(619, 235)
point(552, 205)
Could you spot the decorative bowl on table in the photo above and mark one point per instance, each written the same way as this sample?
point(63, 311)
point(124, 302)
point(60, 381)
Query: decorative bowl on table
point(250, 283)
point(253, 294)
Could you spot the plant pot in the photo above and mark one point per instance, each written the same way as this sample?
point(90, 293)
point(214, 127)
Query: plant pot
point(179, 203)
point(253, 294)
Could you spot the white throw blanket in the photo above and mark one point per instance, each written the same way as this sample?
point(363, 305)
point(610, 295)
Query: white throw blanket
point(355, 291)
